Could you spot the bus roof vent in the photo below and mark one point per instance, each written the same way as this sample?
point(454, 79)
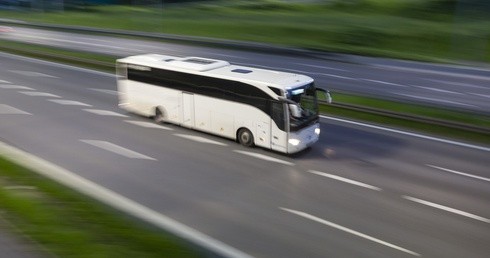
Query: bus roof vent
point(198, 64)
point(199, 61)
point(244, 71)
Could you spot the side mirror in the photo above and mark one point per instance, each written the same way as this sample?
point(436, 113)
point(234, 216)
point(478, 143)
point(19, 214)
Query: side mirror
point(323, 95)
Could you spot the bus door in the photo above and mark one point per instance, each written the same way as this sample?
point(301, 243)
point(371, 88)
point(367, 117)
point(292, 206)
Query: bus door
point(187, 109)
point(279, 126)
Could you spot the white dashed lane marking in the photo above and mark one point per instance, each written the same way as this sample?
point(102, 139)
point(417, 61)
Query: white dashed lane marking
point(200, 139)
point(15, 87)
point(348, 230)
point(104, 112)
point(445, 208)
point(148, 125)
point(117, 149)
point(8, 110)
point(111, 92)
point(39, 94)
point(3, 81)
point(264, 157)
point(69, 102)
point(459, 173)
point(345, 180)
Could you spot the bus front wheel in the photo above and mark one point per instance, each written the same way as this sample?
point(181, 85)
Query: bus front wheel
point(245, 137)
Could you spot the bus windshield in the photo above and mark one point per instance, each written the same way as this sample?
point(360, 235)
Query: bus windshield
point(303, 106)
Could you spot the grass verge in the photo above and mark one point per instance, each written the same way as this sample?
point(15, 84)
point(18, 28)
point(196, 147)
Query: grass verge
point(418, 29)
point(69, 224)
point(106, 63)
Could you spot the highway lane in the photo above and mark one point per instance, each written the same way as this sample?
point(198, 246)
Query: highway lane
point(360, 192)
point(456, 87)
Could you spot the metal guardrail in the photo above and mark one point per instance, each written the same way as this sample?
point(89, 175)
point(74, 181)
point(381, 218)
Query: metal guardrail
point(410, 117)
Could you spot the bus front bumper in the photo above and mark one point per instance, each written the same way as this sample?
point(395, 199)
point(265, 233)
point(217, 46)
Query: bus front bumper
point(304, 138)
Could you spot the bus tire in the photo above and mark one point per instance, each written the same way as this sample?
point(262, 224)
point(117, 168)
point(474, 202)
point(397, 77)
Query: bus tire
point(245, 137)
point(159, 117)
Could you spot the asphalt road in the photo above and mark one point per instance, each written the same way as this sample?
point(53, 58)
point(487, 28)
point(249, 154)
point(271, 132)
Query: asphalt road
point(360, 192)
point(456, 87)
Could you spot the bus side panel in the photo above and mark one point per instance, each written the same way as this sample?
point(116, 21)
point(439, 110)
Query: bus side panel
point(202, 113)
point(142, 98)
point(215, 116)
point(222, 124)
point(187, 110)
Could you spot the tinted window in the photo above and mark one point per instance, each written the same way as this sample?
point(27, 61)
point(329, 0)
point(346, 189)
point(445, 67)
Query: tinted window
point(208, 86)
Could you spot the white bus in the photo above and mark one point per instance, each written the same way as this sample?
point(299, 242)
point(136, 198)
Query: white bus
point(270, 109)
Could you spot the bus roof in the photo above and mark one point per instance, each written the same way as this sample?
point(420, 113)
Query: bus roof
point(220, 69)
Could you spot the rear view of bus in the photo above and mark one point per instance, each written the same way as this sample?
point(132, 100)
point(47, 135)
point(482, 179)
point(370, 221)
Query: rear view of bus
point(255, 107)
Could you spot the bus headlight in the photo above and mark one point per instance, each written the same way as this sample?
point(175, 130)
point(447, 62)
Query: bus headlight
point(317, 131)
point(294, 142)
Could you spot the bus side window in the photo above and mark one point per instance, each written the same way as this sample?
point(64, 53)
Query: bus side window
point(278, 114)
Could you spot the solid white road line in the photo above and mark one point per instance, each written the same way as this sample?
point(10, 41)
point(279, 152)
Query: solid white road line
point(39, 94)
point(435, 99)
point(32, 74)
point(455, 211)
point(409, 133)
point(117, 201)
point(200, 139)
point(64, 66)
point(15, 87)
point(461, 84)
point(69, 102)
point(322, 67)
point(481, 95)
point(104, 112)
point(345, 180)
point(438, 90)
point(383, 82)
point(148, 125)
point(420, 70)
point(459, 173)
point(117, 149)
point(348, 230)
point(337, 76)
point(264, 157)
point(73, 42)
point(3, 81)
point(9, 110)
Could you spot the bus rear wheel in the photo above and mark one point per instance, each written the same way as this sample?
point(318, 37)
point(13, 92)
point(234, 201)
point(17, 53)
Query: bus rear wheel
point(245, 137)
point(158, 118)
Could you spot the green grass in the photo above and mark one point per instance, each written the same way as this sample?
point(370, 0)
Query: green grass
point(412, 29)
point(69, 224)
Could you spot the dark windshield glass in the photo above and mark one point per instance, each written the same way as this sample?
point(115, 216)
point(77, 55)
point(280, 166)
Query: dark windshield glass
point(303, 108)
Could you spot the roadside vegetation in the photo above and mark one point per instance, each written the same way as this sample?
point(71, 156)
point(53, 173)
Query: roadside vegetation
point(68, 224)
point(435, 30)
